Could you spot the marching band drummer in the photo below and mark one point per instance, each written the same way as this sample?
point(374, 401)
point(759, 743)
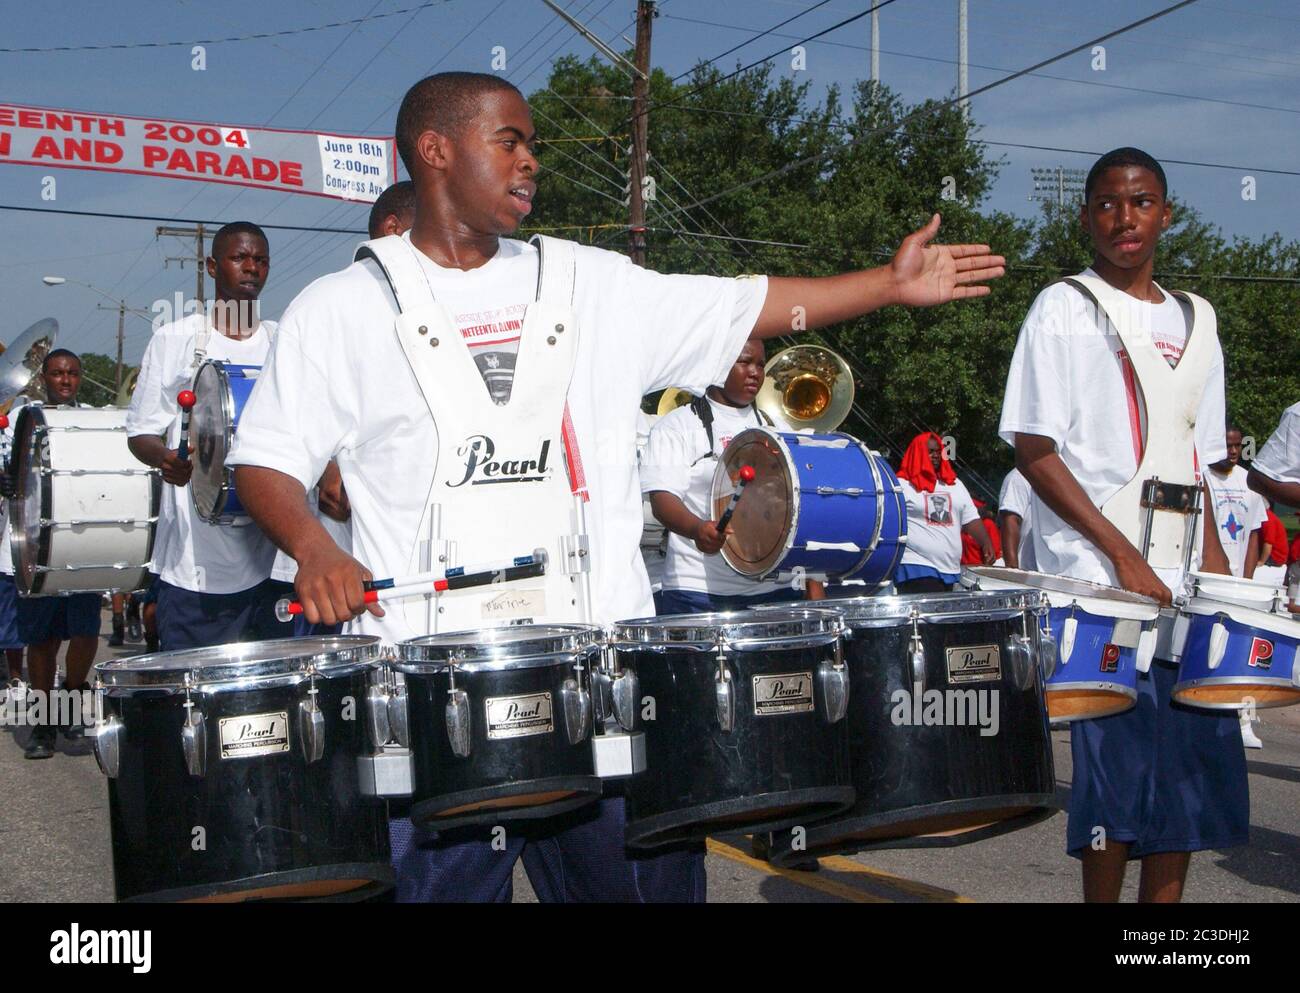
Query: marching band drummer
point(677, 473)
point(393, 212)
point(212, 586)
point(939, 511)
point(1015, 522)
point(353, 375)
point(45, 622)
point(1158, 781)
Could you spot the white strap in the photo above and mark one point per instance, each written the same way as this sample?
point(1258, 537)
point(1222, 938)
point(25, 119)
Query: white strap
point(401, 268)
point(556, 270)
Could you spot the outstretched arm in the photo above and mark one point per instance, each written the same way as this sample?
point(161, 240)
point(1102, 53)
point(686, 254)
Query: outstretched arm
point(920, 275)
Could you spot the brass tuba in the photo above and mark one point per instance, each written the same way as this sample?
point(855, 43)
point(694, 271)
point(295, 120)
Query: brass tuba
point(672, 399)
point(807, 386)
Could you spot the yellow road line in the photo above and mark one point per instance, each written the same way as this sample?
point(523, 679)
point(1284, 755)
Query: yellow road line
point(839, 863)
point(811, 881)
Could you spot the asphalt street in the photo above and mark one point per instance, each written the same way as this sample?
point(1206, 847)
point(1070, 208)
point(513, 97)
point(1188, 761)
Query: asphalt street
point(55, 844)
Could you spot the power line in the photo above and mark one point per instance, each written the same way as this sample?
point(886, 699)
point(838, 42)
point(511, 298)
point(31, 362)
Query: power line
point(221, 41)
point(820, 156)
point(169, 220)
point(761, 34)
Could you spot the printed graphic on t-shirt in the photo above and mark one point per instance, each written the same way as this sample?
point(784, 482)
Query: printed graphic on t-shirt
point(493, 339)
point(938, 508)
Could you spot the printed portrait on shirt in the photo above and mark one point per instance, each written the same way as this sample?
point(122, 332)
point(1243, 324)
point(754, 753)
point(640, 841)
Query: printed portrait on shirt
point(938, 508)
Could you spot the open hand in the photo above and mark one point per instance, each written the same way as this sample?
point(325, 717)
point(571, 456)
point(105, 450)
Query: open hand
point(926, 275)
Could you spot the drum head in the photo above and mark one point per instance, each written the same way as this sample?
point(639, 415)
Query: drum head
point(773, 624)
point(28, 504)
point(210, 436)
point(242, 663)
point(515, 646)
point(764, 518)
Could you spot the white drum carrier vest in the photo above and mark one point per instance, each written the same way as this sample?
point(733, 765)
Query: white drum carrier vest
point(1158, 510)
point(501, 483)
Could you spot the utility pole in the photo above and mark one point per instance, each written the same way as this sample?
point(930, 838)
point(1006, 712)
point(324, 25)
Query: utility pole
point(963, 86)
point(875, 44)
point(645, 14)
point(122, 310)
point(197, 234)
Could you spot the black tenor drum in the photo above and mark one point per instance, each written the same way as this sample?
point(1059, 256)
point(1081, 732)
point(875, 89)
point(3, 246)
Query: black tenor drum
point(500, 722)
point(233, 773)
point(743, 720)
point(947, 723)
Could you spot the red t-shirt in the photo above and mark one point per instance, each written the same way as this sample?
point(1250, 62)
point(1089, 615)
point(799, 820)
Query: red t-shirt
point(1274, 533)
point(970, 548)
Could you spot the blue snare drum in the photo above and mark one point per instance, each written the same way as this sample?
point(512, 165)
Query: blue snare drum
point(221, 389)
point(1239, 648)
point(823, 504)
point(1104, 637)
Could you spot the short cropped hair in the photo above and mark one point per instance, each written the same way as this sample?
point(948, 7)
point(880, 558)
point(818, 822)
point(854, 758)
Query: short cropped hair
point(234, 228)
point(444, 102)
point(59, 353)
point(396, 201)
point(1126, 156)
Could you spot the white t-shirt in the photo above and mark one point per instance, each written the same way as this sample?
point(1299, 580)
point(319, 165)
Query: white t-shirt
point(338, 385)
point(1279, 459)
point(1238, 511)
point(188, 552)
point(677, 461)
point(487, 305)
point(1070, 381)
point(6, 452)
point(1016, 498)
point(934, 523)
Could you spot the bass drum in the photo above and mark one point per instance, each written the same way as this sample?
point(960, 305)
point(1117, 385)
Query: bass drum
point(947, 724)
point(84, 512)
point(234, 773)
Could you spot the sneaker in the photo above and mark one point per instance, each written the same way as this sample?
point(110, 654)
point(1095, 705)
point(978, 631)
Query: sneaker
point(42, 743)
point(13, 697)
point(1248, 736)
point(134, 629)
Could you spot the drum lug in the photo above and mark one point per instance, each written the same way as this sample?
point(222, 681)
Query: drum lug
point(311, 726)
point(108, 745)
point(724, 692)
point(1066, 642)
point(577, 707)
point(1218, 644)
point(1047, 651)
point(916, 652)
point(457, 715)
point(602, 693)
point(194, 738)
point(377, 703)
point(1146, 649)
point(627, 695)
point(834, 680)
point(399, 725)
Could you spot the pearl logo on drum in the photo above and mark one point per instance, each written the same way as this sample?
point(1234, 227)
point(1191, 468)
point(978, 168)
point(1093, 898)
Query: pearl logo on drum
point(974, 664)
point(1261, 653)
point(254, 734)
point(482, 465)
point(518, 716)
point(1110, 658)
point(783, 693)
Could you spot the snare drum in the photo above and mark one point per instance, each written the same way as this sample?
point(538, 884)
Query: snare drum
point(220, 389)
point(1103, 638)
point(234, 773)
point(947, 724)
point(1239, 648)
point(821, 503)
point(744, 722)
point(500, 722)
point(84, 512)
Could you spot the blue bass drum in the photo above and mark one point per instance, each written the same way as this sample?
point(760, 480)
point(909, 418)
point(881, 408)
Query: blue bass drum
point(1103, 637)
point(1239, 648)
point(220, 389)
point(823, 504)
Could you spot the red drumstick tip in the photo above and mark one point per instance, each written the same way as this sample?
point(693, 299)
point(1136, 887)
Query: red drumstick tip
point(747, 473)
point(186, 399)
point(4, 421)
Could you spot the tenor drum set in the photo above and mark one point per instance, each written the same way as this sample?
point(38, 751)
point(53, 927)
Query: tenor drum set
point(262, 770)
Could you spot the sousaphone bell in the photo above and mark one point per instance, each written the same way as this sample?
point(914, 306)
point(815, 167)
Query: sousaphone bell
point(20, 365)
point(808, 386)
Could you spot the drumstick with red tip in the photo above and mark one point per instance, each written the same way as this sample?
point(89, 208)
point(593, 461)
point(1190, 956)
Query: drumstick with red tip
point(186, 399)
point(746, 475)
point(441, 581)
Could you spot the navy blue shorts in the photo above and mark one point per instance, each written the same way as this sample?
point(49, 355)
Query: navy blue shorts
point(150, 593)
point(50, 618)
point(203, 620)
point(1160, 777)
point(9, 637)
point(576, 857)
point(694, 602)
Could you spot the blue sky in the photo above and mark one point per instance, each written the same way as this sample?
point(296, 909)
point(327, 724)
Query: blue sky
point(1227, 72)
